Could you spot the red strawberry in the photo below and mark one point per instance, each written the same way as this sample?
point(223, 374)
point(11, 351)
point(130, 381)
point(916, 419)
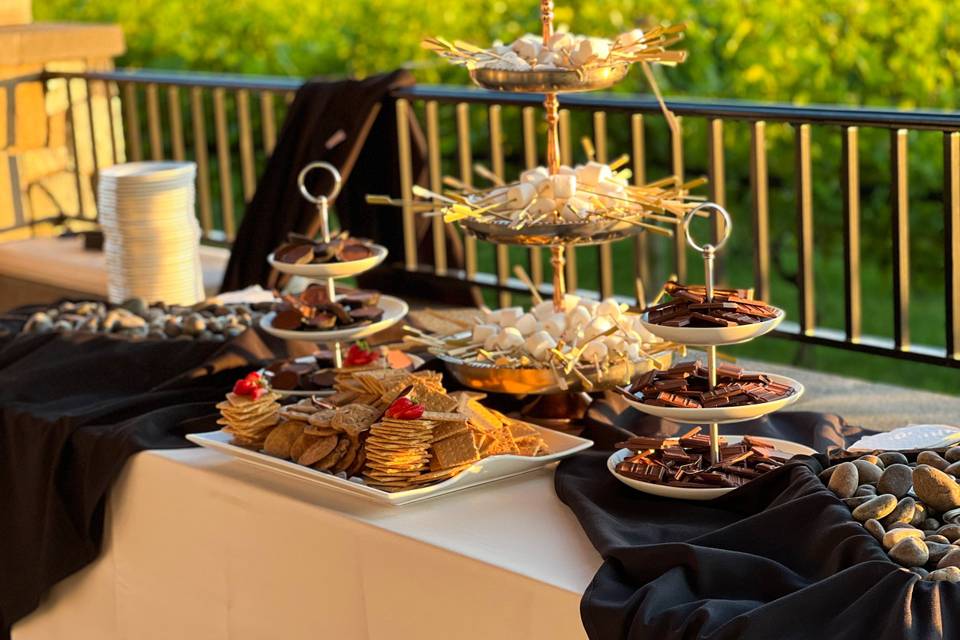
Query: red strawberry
point(404, 408)
point(245, 387)
point(358, 355)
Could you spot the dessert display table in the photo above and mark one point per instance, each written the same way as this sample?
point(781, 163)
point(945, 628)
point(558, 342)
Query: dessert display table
point(201, 546)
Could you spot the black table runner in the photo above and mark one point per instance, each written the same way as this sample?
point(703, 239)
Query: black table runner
point(778, 558)
point(73, 409)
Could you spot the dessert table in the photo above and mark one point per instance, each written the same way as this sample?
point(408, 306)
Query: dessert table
point(200, 546)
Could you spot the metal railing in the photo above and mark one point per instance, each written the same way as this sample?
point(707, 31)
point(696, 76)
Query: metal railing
point(180, 110)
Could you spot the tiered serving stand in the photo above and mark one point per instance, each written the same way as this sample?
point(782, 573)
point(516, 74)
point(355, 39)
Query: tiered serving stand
point(709, 339)
point(394, 309)
point(556, 235)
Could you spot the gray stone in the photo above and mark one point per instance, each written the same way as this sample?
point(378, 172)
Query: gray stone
point(900, 525)
point(872, 459)
point(877, 508)
point(129, 321)
point(910, 552)
point(869, 473)
point(90, 325)
point(953, 469)
point(39, 323)
point(135, 305)
point(902, 513)
point(171, 328)
point(952, 454)
point(952, 559)
point(62, 326)
point(156, 334)
point(919, 514)
point(935, 488)
point(854, 502)
point(205, 335)
point(893, 537)
point(936, 537)
point(865, 490)
point(938, 550)
point(875, 529)
point(950, 531)
point(194, 324)
point(896, 479)
point(952, 516)
point(843, 482)
point(892, 457)
point(947, 574)
point(933, 459)
point(233, 332)
point(931, 523)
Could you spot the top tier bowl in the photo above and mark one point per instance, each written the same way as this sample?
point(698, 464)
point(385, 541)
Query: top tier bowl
point(550, 80)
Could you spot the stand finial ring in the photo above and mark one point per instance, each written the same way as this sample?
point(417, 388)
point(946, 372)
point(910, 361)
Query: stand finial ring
point(727, 226)
point(302, 182)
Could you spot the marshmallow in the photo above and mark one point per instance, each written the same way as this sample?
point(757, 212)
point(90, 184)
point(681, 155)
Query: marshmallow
point(597, 326)
point(590, 49)
point(509, 338)
point(633, 350)
point(527, 47)
point(578, 317)
point(611, 308)
point(508, 316)
point(535, 175)
point(490, 344)
point(541, 206)
point(615, 344)
point(555, 325)
point(576, 210)
point(593, 173)
point(595, 350)
point(570, 300)
point(539, 343)
point(520, 195)
point(548, 59)
point(564, 185)
point(566, 170)
point(527, 324)
point(483, 331)
point(630, 37)
point(543, 310)
point(561, 41)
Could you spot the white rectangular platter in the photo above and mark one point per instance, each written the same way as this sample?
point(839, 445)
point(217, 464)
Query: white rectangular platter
point(487, 470)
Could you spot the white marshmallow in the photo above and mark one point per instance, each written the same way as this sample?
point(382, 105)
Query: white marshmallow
point(597, 326)
point(527, 47)
point(611, 308)
point(539, 343)
point(566, 170)
point(548, 58)
point(628, 38)
point(633, 350)
point(483, 331)
point(578, 317)
point(527, 324)
point(615, 344)
point(490, 344)
point(593, 173)
point(543, 310)
point(509, 338)
point(570, 300)
point(555, 325)
point(596, 350)
point(508, 316)
point(564, 185)
point(560, 41)
point(535, 175)
point(575, 210)
point(590, 49)
point(520, 195)
point(542, 205)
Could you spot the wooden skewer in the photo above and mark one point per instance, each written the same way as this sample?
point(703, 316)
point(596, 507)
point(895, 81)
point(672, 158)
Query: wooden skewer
point(489, 175)
point(521, 274)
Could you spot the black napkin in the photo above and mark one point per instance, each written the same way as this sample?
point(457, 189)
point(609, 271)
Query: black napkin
point(72, 410)
point(778, 558)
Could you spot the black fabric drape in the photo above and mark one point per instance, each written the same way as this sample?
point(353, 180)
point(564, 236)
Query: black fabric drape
point(327, 121)
point(72, 410)
point(778, 558)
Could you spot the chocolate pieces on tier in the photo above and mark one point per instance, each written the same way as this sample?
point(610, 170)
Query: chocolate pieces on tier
point(312, 310)
point(300, 249)
point(686, 386)
point(728, 308)
point(685, 461)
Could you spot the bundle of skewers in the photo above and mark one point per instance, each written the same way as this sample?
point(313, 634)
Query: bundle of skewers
point(566, 51)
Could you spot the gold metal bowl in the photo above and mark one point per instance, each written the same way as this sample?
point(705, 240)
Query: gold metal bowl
point(522, 381)
point(578, 233)
point(550, 80)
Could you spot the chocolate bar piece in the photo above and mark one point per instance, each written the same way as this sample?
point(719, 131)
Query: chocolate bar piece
point(689, 307)
point(673, 400)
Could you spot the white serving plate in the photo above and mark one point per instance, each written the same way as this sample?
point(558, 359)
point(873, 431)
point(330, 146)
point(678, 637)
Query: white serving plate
point(687, 493)
point(707, 336)
point(332, 269)
point(722, 415)
point(913, 436)
point(393, 311)
point(486, 470)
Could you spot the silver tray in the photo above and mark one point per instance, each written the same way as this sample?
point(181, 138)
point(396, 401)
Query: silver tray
point(550, 80)
point(578, 233)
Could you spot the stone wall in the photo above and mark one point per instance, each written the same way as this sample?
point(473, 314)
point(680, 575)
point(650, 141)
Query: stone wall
point(40, 175)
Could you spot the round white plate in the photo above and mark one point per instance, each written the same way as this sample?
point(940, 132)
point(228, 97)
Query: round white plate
point(687, 493)
point(723, 415)
point(150, 171)
point(706, 336)
point(332, 269)
point(393, 311)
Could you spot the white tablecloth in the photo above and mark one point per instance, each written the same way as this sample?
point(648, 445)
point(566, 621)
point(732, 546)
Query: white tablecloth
point(199, 546)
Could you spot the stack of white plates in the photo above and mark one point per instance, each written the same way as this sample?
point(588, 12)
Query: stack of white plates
point(151, 233)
